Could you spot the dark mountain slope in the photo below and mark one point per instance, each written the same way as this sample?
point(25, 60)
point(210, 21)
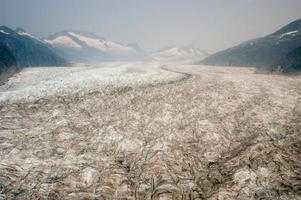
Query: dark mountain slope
point(28, 50)
point(266, 52)
point(291, 62)
point(20, 49)
point(6, 58)
point(8, 64)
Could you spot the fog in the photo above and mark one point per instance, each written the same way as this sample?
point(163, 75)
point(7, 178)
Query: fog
point(210, 25)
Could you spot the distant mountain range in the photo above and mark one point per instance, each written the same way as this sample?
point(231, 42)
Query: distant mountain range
point(279, 51)
point(85, 46)
point(179, 54)
point(19, 49)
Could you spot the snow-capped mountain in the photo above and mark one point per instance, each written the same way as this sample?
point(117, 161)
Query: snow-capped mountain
point(22, 32)
point(19, 49)
point(29, 50)
point(176, 54)
point(87, 46)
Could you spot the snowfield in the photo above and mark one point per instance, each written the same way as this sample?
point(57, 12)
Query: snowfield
point(41, 82)
point(150, 131)
point(64, 41)
point(80, 41)
point(184, 55)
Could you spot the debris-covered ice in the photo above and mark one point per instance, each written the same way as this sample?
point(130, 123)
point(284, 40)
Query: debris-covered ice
point(218, 133)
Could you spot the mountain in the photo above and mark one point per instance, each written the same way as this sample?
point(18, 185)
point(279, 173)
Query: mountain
point(266, 52)
point(177, 54)
point(291, 62)
point(28, 50)
point(8, 64)
point(79, 45)
point(19, 49)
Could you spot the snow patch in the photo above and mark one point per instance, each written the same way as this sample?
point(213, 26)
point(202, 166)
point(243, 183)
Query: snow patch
point(178, 54)
point(64, 41)
point(2, 31)
point(26, 34)
point(101, 44)
point(95, 43)
point(113, 45)
point(291, 33)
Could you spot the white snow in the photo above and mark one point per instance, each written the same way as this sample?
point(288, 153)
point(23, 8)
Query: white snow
point(291, 33)
point(101, 44)
point(2, 31)
point(41, 82)
point(70, 40)
point(64, 41)
point(178, 54)
point(90, 41)
point(26, 34)
point(115, 46)
point(172, 51)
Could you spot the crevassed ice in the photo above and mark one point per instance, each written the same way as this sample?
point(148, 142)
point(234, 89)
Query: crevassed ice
point(42, 82)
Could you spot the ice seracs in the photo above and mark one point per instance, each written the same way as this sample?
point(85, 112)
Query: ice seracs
point(42, 82)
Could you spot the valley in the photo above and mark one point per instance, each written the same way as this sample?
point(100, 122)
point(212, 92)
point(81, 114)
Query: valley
point(150, 100)
point(144, 130)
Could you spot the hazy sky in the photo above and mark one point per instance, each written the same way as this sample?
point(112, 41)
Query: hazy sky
point(211, 25)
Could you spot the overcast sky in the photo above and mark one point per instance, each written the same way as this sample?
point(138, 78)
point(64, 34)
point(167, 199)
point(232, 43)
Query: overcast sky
point(211, 25)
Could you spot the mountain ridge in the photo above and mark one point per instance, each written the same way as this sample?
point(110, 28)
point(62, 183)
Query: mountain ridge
point(267, 52)
point(20, 49)
point(88, 46)
point(186, 54)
